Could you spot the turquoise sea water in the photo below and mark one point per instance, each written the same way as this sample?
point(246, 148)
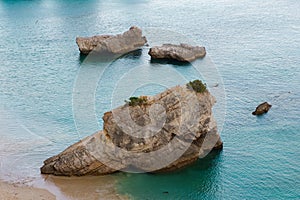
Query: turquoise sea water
point(254, 45)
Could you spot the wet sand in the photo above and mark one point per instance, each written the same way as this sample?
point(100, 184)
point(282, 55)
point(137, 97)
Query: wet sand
point(81, 188)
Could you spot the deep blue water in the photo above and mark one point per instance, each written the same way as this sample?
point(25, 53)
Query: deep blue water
point(254, 45)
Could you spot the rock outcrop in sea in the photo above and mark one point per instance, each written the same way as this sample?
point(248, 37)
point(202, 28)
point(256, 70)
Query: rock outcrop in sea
point(182, 52)
point(157, 133)
point(262, 108)
point(112, 44)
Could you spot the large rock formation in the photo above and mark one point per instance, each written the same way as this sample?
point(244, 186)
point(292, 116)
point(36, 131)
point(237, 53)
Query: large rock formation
point(114, 44)
point(152, 134)
point(262, 108)
point(182, 52)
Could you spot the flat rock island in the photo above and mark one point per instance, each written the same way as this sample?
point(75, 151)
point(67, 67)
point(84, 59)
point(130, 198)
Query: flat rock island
point(157, 133)
point(182, 52)
point(112, 44)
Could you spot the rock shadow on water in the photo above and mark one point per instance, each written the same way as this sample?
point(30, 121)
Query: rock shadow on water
point(206, 163)
point(196, 181)
point(166, 61)
point(133, 54)
point(93, 58)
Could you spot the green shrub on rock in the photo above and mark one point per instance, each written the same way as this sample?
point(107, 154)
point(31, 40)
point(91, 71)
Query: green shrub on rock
point(137, 101)
point(197, 86)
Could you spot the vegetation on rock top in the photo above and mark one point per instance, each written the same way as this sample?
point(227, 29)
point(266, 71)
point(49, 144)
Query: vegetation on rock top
point(197, 86)
point(137, 101)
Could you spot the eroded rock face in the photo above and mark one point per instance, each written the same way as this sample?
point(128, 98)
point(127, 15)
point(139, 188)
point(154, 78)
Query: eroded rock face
point(262, 109)
point(182, 52)
point(164, 133)
point(112, 44)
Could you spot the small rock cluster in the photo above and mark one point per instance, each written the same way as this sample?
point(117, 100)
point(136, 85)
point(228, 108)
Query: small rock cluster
point(132, 40)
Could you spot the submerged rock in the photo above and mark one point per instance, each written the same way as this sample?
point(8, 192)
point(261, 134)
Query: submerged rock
point(182, 52)
point(150, 134)
point(262, 109)
point(112, 44)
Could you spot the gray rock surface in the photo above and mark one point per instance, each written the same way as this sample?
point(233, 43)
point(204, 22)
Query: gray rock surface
point(182, 52)
point(114, 44)
point(164, 133)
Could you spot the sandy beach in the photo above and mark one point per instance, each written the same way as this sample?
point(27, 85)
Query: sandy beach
point(15, 192)
point(62, 188)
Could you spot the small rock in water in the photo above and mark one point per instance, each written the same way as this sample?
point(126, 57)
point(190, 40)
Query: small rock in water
point(112, 44)
point(262, 109)
point(182, 52)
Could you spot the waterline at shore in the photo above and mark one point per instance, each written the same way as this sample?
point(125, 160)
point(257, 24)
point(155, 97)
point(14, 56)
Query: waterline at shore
point(80, 188)
point(21, 174)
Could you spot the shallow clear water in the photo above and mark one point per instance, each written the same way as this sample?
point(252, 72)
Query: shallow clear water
point(254, 45)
